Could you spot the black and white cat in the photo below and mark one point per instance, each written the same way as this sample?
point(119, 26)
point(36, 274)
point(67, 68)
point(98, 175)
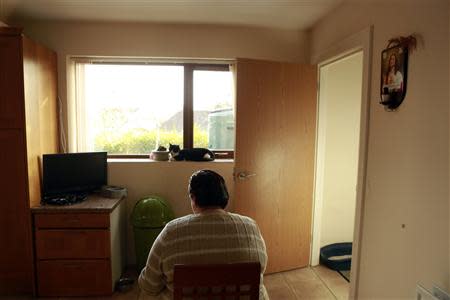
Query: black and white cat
point(194, 154)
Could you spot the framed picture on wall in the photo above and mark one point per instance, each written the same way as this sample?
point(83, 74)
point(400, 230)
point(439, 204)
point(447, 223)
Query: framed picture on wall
point(394, 68)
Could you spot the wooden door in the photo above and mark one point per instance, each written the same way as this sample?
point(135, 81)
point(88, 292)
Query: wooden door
point(275, 140)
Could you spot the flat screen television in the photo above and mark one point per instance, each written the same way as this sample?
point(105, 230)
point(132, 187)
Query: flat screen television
point(73, 173)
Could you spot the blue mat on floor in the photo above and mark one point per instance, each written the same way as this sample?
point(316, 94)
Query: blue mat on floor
point(337, 256)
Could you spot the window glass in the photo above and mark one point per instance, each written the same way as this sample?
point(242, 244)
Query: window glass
point(213, 110)
point(131, 109)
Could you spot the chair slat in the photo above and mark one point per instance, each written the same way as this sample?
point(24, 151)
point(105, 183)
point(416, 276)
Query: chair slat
point(217, 275)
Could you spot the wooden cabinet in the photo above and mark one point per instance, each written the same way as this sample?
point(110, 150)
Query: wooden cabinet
point(85, 242)
point(11, 80)
point(72, 220)
point(15, 237)
point(81, 278)
point(72, 243)
point(28, 128)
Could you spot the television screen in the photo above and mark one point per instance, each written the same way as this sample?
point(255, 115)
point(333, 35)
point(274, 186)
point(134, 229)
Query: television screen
point(73, 173)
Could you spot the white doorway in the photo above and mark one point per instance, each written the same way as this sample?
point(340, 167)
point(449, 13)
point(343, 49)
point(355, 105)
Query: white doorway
point(341, 146)
point(339, 114)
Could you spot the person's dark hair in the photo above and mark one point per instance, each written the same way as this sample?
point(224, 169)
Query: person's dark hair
point(397, 63)
point(209, 189)
point(388, 70)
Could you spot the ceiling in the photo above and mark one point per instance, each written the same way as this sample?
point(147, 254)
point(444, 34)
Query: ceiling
point(286, 14)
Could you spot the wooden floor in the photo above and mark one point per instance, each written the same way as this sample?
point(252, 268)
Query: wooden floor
point(307, 283)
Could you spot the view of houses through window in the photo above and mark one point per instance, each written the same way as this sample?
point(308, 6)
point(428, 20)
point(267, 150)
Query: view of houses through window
point(133, 109)
point(213, 110)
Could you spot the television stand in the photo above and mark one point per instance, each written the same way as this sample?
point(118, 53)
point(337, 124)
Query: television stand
point(79, 248)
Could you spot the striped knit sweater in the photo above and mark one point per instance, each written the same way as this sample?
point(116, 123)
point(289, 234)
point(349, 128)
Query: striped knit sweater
point(214, 237)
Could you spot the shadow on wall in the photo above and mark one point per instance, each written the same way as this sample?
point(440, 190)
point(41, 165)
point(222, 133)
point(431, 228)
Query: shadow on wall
point(166, 179)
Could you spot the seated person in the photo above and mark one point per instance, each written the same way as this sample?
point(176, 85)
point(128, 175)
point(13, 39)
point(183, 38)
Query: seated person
point(209, 236)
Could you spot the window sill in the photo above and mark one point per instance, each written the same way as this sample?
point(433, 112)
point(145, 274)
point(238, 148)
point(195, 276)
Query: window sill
point(147, 160)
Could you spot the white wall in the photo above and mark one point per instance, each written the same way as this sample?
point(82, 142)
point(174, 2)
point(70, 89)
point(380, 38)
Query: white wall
point(153, 40)
point(339, 118)
point(407, 172)
point(166, 179)
point(164, 40)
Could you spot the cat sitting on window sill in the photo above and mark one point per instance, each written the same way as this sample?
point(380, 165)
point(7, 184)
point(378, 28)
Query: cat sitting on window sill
point(194, 154)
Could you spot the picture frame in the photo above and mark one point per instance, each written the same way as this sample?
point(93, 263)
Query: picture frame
point(394, 74)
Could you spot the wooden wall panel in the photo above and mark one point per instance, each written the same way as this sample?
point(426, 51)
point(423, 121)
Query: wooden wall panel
point(11, 82)
point(28, 126)
point(48, 100)
point(40, 86)
point(15, 227)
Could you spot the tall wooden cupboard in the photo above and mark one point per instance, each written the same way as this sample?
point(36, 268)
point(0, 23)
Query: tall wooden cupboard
point(28, 128)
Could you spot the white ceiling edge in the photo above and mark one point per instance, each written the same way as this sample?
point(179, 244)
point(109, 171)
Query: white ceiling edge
point(276, 14)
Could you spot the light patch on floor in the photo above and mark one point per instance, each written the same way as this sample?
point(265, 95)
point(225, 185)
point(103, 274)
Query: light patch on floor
point(307, 283)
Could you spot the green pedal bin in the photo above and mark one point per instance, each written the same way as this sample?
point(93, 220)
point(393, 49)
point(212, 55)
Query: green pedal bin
point(149, 217)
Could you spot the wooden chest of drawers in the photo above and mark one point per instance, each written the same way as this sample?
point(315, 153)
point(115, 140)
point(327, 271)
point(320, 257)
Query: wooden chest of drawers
point(79, 249)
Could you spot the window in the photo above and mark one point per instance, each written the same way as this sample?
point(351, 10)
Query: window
point(213, 110)
point(129, 109)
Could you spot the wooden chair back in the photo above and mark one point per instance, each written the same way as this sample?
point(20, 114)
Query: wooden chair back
point(237, 281)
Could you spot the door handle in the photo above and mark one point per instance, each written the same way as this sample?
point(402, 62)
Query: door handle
point(244, 175)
